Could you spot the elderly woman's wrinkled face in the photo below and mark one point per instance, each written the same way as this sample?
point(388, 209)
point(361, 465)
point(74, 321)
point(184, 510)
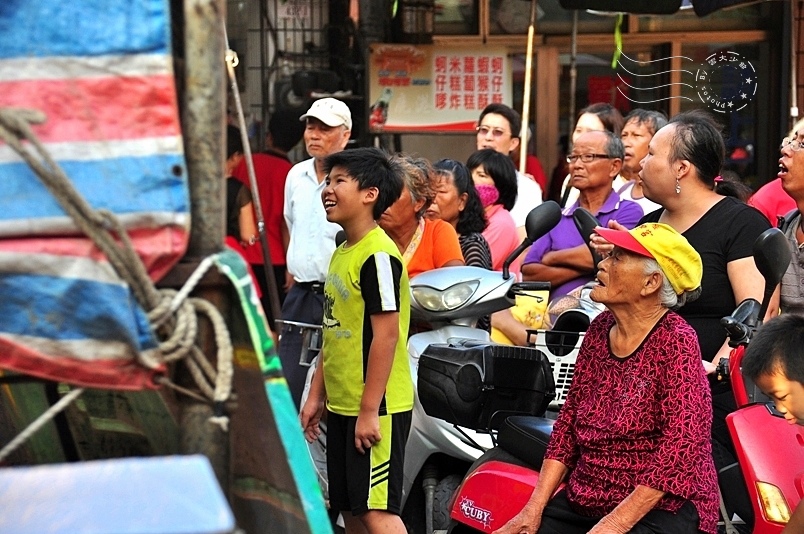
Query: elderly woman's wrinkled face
point(658, 175)
point(620, 278)
point(401, 213)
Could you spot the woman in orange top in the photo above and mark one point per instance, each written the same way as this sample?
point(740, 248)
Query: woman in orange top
point(424, 244)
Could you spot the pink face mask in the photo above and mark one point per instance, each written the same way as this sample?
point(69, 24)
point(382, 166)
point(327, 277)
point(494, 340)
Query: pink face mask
point(488, 194)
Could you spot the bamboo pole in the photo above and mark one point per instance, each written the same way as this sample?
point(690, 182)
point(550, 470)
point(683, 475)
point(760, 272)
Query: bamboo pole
point(523, 133)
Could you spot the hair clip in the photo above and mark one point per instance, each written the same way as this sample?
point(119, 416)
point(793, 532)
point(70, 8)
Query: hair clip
point(718, 179)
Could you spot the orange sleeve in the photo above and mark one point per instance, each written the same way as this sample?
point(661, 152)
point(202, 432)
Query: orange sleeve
point(439, 245)
point(446, 246)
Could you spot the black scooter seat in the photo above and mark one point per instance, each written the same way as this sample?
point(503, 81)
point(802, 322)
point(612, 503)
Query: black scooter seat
point(526, 437)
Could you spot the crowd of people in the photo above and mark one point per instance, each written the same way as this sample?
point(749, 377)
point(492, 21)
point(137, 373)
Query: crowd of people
point(676, 236)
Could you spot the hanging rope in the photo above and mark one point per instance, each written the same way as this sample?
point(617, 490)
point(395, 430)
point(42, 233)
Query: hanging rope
point(173, 315)
point(39, 422)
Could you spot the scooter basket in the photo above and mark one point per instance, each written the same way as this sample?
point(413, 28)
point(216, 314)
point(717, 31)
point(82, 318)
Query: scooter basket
point(476, 385)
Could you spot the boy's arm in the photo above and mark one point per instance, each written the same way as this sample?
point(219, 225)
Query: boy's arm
point(310, 414)
point(385, 328)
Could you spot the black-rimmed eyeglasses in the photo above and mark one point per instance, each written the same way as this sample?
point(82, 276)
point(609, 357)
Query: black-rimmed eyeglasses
point(586, 158)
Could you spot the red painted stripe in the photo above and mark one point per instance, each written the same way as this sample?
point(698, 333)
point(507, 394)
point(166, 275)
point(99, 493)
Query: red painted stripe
point(98, 109)
point(125, 375)
point(447, 127)
point(159, 248)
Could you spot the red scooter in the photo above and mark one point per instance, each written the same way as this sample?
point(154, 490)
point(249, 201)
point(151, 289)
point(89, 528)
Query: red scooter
point(769, 450)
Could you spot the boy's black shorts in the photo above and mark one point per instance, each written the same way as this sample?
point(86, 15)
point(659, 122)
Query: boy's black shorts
point(370, 481)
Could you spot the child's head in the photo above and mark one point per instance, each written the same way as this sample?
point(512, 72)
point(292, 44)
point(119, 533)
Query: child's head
point(774, 360)
point(369, 167)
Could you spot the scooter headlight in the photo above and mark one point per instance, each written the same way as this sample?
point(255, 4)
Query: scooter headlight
point(436, 300)
point(774, 505)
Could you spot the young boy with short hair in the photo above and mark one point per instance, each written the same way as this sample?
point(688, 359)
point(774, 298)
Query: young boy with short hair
point(363, 373)
point(774, 361)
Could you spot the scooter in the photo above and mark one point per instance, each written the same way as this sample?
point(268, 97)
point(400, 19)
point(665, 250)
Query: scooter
point(501, 481)
point(450, 301)
point(769, 450)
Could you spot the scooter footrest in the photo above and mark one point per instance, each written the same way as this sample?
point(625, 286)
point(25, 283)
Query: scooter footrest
point(526, 438)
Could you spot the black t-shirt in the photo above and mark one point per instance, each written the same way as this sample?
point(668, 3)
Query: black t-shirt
point(725, 233)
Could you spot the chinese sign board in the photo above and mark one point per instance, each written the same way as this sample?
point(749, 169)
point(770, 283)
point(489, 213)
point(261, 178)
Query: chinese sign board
point(435, 88)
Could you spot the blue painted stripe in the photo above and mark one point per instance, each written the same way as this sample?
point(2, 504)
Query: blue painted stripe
point(71, 309)
point(122, 185)
point(39, 28)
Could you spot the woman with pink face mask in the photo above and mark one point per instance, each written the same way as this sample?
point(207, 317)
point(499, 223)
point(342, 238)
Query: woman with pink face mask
point(494, 176)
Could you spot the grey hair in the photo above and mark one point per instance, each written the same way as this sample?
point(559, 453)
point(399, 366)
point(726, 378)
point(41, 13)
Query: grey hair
point(652, 120)
point(614, 145)
point(667, 295)
point(417, 176)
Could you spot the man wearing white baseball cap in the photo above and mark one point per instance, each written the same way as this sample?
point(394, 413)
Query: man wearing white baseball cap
point(311, 238)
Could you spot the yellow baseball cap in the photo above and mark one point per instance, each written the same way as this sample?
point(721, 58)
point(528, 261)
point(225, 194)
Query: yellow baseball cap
point(680, 263)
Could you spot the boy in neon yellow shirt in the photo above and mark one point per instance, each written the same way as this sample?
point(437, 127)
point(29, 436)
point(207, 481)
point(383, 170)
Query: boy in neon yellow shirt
point(363, 375)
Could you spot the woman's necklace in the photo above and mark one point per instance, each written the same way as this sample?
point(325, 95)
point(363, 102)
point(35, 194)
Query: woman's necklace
point(414, 243)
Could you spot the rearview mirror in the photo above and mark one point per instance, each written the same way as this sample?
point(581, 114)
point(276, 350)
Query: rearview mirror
point(772, 256)
point(539, 221)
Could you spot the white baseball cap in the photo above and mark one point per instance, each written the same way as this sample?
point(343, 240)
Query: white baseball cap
point(331, 112)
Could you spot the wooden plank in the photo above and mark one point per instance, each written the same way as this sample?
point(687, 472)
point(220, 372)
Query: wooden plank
point(546, 81)
point(675, 78)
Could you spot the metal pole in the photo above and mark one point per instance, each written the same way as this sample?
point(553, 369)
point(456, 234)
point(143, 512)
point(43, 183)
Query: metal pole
point(270, 279)
point(523, 134)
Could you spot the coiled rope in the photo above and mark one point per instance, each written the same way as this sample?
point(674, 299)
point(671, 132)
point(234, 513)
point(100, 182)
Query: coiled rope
point(173, 315)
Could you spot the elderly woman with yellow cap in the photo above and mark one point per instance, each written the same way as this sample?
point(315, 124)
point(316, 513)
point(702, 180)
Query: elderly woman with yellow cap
point(633, 438)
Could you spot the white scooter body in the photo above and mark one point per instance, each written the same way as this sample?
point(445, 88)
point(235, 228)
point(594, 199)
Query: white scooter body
point(429, 435)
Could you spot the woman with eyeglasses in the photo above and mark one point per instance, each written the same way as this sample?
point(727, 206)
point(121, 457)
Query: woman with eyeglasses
point(791, 176)
point(679, 173)
point(771, 199)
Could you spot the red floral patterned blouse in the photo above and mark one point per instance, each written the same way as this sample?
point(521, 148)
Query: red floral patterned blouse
point(643, 419)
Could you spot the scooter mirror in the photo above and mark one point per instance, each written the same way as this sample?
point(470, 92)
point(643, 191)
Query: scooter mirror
point(539, 221)
point(586, 223)
point(542, 219)
point(772, 256)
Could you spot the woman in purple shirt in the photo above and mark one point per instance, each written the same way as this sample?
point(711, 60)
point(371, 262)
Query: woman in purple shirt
point(632, 440)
